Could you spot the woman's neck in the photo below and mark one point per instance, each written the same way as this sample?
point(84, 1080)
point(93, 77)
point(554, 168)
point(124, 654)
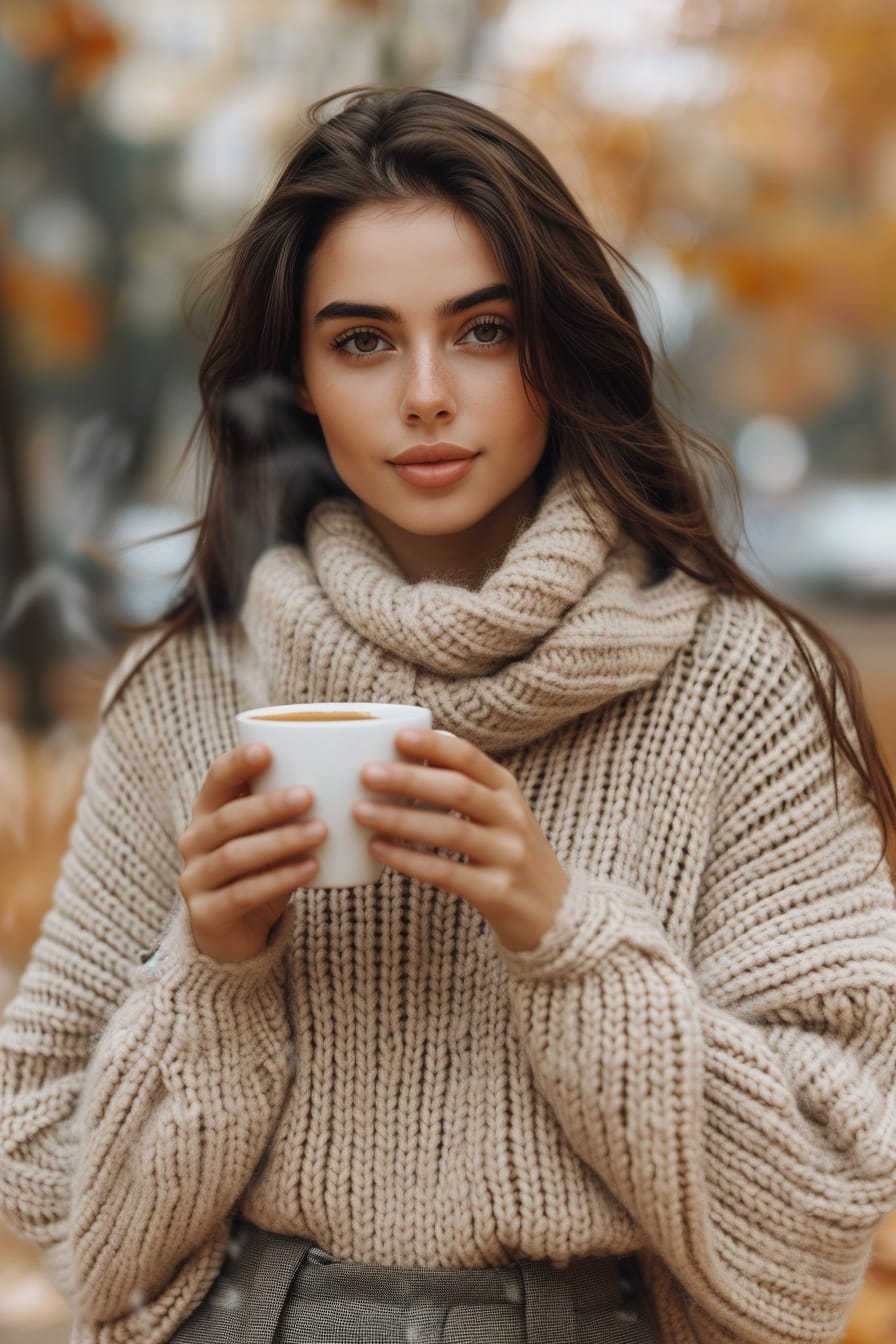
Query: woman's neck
point(460, 558)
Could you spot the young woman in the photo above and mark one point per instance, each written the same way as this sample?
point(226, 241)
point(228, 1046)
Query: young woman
point(608, 1052)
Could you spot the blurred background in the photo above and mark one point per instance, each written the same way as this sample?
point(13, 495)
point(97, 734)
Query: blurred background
point(741, 153)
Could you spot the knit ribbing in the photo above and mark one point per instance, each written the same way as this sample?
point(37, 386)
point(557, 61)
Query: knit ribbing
point(569, 620)
point(188, 1113)
point(697, 1063)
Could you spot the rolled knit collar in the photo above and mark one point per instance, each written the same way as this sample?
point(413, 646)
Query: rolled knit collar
point(568, 621)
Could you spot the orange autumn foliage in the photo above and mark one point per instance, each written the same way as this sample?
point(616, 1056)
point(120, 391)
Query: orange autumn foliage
point(840, 272)
point(69, 34)
point(780, 184)
point(56, 317)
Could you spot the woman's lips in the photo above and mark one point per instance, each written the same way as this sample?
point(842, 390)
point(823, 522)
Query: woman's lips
point(430, 474)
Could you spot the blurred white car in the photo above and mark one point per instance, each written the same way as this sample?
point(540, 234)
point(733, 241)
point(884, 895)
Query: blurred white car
point(832, 539)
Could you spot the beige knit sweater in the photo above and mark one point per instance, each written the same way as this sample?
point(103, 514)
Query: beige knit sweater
point(697, 1062)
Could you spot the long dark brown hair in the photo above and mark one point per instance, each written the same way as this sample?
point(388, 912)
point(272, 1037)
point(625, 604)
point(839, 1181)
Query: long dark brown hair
point(580, 346)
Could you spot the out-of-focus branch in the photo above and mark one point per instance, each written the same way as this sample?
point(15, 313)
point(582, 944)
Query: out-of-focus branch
point(29, 644)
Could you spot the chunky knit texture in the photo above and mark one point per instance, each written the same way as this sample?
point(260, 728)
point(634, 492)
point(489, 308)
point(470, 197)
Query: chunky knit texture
point(695, 1063)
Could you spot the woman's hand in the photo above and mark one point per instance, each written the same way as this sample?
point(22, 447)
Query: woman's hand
point(512, 877)
point(244, 855)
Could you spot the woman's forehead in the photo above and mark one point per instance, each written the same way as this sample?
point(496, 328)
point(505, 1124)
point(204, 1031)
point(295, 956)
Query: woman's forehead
point(414, 246)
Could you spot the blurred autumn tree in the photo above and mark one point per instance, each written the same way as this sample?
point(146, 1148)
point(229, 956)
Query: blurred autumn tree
point(132, 140)
point(754, 150)
point(53, 312)
point(742, 152)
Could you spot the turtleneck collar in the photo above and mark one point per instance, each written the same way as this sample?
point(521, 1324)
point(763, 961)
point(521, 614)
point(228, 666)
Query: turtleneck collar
point(569, 620)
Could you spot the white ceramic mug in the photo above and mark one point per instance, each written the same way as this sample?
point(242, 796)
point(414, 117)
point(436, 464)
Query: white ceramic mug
point(327, 756)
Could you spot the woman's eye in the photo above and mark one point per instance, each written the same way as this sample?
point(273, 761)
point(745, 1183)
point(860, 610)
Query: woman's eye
point(361, 343)
point(365, 343)
point(491, 330)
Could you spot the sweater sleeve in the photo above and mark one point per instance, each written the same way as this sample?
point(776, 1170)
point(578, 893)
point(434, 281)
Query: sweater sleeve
point(133, 1109)
point(739, 1101)
point(179, 1101)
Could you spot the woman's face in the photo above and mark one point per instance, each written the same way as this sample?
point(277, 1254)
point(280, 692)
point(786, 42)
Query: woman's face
point(400, 346)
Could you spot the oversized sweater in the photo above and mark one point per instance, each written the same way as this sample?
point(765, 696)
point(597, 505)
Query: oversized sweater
point(696, 1063)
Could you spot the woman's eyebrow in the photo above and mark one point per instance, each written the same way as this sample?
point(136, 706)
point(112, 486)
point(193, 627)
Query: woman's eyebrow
point(450, 308)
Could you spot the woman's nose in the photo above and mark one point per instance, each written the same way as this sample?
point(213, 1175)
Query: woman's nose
point(427, 393)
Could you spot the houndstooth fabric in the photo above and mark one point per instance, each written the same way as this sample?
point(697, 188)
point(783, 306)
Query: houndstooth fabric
point(277, 1289)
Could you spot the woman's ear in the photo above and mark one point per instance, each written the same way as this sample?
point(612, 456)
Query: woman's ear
point(303, 396)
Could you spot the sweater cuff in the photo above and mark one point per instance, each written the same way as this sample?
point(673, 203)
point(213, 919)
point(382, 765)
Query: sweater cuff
point(177, 961)
point(594, 917)
point(578, 934)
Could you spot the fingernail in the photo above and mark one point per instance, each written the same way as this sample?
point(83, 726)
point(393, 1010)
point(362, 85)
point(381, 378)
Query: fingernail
point(255, 753)
point(411, 737)
point(297, 797)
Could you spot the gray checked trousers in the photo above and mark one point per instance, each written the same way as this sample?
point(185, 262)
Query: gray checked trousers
point(275, 1289)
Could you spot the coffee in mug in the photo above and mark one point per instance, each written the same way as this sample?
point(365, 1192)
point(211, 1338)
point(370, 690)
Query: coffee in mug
point(325, 746)
point(311, 716)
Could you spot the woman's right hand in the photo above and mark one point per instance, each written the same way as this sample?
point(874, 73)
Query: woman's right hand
point(244, 855)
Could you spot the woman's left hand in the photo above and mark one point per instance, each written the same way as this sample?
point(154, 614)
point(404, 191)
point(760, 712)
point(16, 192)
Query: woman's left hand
point(512, 876)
